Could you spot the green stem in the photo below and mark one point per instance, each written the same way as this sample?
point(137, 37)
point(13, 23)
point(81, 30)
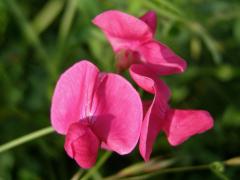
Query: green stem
point(104, 158)
point(77, 175)
point(169, 170)
point(25, 138)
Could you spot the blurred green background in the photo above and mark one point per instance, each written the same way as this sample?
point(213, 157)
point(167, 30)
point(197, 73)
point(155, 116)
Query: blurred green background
point(40, 39)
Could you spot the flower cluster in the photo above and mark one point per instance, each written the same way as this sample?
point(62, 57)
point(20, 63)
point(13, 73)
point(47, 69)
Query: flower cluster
point(103, 110)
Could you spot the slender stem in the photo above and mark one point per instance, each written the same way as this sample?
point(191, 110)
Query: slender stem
point(77, 175)
point(163, 171)
point(104, 158)
point(25, 138)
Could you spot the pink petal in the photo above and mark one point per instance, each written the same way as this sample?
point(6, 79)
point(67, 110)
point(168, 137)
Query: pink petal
point(122, 30)
point(118, 113)
point(182, 124)
point(146, 106)
point(150, 18)
point(154, 118)
point(72, 95)
point(82, 145)
point(147, 79)
point(152, 125)
point(179, 125)
point(125, 58)
point(161, 59)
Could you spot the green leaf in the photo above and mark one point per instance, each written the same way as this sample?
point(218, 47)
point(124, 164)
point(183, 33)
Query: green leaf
point(47, 15)
point(236, 30)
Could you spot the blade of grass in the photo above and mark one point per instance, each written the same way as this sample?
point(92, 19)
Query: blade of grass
point(64, 29)
point(195, 27)
point(32, 37)
point(207, 39)
point(169, 170)
point(170, 6)
point(162, 11)
point(27, 29)
point(226, 16)
point(216, 167)
point(67, 20)
point(142, 167)
point(47, 15)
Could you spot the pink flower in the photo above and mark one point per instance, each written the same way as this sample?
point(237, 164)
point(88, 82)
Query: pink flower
point(177, 124)
point(133, 41)
point(94, 110)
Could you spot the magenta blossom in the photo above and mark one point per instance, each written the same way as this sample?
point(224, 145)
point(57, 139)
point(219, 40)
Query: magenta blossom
point(94, 110)
point(177, 124)
point(133, 41)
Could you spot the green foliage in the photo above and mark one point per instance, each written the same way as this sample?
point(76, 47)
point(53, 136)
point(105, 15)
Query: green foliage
point(39, 39)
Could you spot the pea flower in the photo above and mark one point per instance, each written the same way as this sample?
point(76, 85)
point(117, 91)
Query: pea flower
point(132, 40)
point(95, 109)
point(178, 125)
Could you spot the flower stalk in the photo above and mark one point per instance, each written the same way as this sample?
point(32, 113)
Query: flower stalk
point(25, 138)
